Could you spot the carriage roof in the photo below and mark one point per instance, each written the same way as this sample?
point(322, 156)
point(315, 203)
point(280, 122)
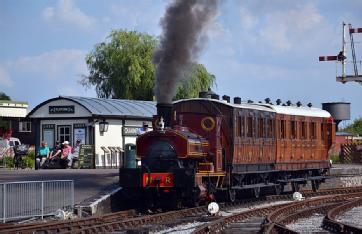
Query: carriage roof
point(287, 110)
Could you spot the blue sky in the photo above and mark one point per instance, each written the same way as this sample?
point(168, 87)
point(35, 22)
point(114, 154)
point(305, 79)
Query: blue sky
point(256, 49)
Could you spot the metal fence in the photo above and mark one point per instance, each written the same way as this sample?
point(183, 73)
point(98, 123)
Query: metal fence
point(35, 198)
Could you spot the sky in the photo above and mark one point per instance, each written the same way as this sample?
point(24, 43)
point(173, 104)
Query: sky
point(256, 49)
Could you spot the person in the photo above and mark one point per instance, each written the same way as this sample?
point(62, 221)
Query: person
point(66, 158)
point(43, 154)
point(75, 152)
point(57, 150)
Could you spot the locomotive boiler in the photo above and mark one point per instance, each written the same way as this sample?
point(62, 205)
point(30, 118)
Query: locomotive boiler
point(204, 149)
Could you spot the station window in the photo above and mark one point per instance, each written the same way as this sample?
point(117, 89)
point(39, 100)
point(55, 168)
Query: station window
point(260, 127)
point(312, 130)
point(249, 130)
point(304, 131)
point(24, 126)
point(293, 132)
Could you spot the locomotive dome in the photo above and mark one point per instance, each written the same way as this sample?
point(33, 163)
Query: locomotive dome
point(288, 110)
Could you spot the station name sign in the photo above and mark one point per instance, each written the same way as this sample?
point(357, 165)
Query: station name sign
point(131, 131)
point(61, 109)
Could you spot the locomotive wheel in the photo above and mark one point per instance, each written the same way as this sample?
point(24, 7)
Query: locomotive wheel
point(231, 195)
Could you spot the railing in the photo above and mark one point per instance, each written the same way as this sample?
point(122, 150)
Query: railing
point(35, 198)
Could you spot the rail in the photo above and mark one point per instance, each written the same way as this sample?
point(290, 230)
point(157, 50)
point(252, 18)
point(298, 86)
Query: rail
point(35, 198)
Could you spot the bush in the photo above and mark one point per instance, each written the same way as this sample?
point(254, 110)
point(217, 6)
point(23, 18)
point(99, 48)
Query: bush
point(335, 158)
point(28, 161)
point(8, 162)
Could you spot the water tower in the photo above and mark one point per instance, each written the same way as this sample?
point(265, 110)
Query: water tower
point(339, 111)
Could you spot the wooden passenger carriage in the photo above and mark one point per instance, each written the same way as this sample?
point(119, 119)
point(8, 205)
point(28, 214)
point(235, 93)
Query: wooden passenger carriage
point(256, 145)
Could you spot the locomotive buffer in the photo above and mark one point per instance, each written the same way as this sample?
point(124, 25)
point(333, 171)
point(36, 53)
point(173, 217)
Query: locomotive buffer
point(341, 57)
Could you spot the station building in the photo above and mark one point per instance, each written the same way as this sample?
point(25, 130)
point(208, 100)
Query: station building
point(14, 122)
point(107, 125)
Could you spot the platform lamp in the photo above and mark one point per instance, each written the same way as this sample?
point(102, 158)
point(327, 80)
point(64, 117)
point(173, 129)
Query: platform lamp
point(103, 126)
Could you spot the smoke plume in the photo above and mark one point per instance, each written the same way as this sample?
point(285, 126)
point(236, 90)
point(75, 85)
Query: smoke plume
point(182, 40)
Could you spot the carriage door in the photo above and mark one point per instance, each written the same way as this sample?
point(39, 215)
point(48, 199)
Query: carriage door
point(64, 133)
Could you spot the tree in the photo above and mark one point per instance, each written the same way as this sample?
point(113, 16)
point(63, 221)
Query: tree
point(3, 96)
point(196, 79)
point(355, 127)
point(122, 68)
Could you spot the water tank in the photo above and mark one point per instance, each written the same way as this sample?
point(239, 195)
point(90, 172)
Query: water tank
point(339, 110)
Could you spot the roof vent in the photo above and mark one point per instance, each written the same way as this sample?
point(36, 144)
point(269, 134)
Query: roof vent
point(226, 98)
point(250, 101)
point(237, 100)
point(215, 96)
point(299, 104)
point(267, 100)
point(203, 94)
point(260, 102)
point(278, 101)
point(289, 103)
point(309, 105)
point(284, 104)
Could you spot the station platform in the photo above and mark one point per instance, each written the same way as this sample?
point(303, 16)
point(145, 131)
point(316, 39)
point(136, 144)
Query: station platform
point(89, 184)
point(346, 169)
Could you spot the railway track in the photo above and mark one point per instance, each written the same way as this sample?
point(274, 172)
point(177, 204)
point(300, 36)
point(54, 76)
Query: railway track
point(128, 220)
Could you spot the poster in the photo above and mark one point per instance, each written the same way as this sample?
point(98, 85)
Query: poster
point(79, 134)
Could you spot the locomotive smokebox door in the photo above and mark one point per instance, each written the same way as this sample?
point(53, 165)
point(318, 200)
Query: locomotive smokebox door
point(165, 110)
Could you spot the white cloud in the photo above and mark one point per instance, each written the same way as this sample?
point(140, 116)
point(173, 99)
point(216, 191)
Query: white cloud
point(5, 78)
point(54, 65)
point(67, 12)
point(284, 29)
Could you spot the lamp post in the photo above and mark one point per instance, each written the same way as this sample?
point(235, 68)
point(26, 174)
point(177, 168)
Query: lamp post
point(103, 126)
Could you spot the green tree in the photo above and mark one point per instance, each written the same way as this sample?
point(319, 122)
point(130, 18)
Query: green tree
point(355, 127)
point(196, 79)
point(122, 68)
point(3, 96)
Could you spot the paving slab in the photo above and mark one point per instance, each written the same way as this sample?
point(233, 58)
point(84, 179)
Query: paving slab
point(88, 183)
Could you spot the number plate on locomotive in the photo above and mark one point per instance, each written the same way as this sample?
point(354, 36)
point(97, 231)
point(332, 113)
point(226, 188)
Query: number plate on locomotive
point(158, 180)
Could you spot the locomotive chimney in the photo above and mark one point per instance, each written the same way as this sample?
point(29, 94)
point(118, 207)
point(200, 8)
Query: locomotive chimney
point(164, 110)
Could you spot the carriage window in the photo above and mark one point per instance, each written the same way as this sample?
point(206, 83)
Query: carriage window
point(304, 132)
point(242, 125)
point(312, 131)
point(238, 126)
point(249, 130)
point(322, 132)
point(282, 129)
point(293, 130)
point(261, 128)
point(270, 128)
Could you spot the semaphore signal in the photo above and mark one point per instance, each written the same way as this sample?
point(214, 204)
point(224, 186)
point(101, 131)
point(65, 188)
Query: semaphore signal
point(342, 56)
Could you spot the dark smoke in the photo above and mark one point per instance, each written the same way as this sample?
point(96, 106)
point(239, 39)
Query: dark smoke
point(184, 26)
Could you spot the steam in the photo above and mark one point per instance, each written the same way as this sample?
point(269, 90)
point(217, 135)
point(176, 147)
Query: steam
point(182, 40)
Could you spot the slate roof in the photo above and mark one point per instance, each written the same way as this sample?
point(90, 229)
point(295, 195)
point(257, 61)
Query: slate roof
point(110, 107)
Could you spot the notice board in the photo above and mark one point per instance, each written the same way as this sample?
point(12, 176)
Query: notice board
point(86, 156)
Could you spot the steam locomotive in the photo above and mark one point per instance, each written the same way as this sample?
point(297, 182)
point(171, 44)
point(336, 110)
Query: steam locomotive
point(204, 149)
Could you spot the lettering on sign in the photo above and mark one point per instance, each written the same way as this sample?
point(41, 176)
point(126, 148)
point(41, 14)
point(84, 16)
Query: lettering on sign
point(61, 109)
point(48, 126)
point(131, 131)
point(158, 180)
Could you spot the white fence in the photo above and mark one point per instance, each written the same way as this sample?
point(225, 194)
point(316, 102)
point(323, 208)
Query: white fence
point(35, 198)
